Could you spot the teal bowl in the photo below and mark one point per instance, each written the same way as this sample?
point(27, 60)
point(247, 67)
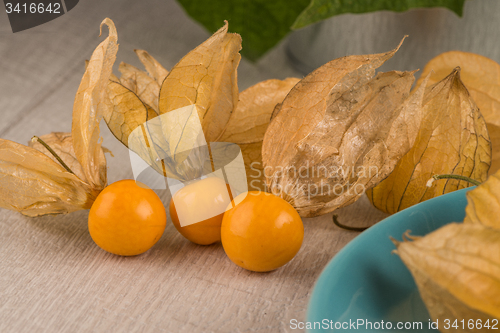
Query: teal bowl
point(365, 283)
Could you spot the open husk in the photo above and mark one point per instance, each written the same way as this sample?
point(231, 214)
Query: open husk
point(33, 181)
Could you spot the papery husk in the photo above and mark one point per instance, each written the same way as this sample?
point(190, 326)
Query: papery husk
point(125, 112)
point(457, 272)
point(340, 118)
point(173, 144)
point(34, 185)
point(153, 67)
point(133, 98)
point(145, 86)
point(206, 76)
point(140, 83)
point(62, 144)
point(481, 76)
point(205, 81)
point(453, 139)
point(32, 181)
point(89, 107)
point(248, 123)
point(483, 203)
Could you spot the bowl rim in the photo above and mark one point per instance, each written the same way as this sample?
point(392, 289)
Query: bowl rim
point(323, 280)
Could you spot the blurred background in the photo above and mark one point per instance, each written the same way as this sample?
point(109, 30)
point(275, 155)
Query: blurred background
point(431, 31)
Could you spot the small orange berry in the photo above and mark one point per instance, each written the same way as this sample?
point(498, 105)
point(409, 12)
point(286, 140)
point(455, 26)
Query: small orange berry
point(262, 232)
point(127, 219)
point(200, 207)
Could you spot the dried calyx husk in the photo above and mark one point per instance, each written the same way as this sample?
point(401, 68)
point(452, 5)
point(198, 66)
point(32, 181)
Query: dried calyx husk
point(340, 131)
point(483, 203)
point(249, 121)
point(33, 181)
point(144, 85)
point(481, 76)
point(457, 267)
point(205, 78)
point(452, 139)
point(133, 98)
point(457, 272)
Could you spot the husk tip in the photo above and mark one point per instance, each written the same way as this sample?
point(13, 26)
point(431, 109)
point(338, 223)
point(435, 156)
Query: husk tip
point(394, 241)
point(407, 237)
point(456, 72)
point(400, 43)
point(111, 26)
point(223, 29)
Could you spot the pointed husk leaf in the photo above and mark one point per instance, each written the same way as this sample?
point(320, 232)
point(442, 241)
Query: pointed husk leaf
point(483, 203)
point(452, 139)
point(457, 272)
point(248, 123)
point(338, 132)
point(206, 76)
point(32, 181)
point(481, 76)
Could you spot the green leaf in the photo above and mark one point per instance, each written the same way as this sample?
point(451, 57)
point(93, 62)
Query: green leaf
point(261, 23)
point(322, 9)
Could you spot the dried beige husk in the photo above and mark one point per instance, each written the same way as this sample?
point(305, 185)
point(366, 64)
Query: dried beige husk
point(457, 272)
point(248, 124)
point(338, 132)
point(206, 78)
point(145, 86)
point(133, 98)
point(153, 67)
point(32, 181)
point(481, 76)
point(483, 203)
point(140, 83)
point(125, 112)
point(62, 144)
point(452, 139)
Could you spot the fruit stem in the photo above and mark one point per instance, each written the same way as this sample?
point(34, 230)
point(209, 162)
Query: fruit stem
point(211, 157)
point(459, 177)
point(35, 138)
point(346, 227)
